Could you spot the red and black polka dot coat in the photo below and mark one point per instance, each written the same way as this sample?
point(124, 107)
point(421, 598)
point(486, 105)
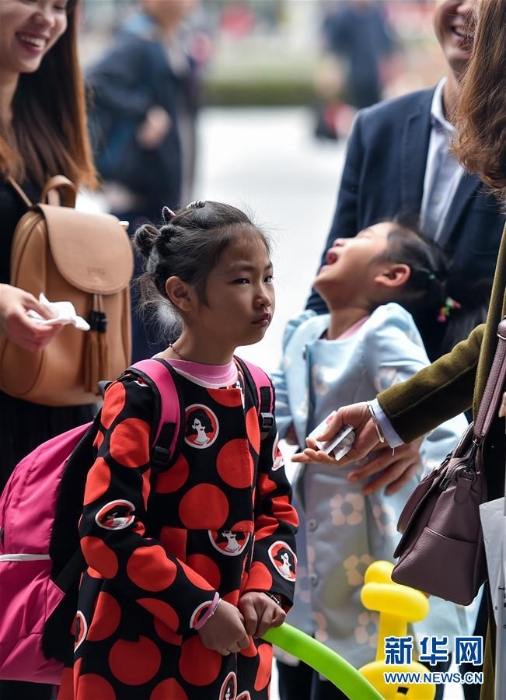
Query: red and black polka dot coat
point(159, 547)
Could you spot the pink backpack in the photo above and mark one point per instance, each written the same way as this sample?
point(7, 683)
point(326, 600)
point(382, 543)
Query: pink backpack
point(40, 557)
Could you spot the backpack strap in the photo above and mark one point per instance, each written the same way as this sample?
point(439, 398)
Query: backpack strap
point(262, 389)
point(78, 464)
point(71, 571)
point(19, 191)
point(59, 191)
point(162, 378)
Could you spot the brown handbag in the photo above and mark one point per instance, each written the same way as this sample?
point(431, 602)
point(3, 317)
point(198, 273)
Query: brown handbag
point(87, 259)
point(441, 551)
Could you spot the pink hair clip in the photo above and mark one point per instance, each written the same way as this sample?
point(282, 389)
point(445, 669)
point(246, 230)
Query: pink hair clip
point(449, 306)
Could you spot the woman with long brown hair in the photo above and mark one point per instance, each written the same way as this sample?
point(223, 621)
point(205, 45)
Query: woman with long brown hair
point(42, 133)
point(481, 115)
point(457, 380)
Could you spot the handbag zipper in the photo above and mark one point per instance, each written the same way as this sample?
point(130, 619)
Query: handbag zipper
point(474, 448)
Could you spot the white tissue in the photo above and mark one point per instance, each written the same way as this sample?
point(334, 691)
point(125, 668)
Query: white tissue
point(64, 312)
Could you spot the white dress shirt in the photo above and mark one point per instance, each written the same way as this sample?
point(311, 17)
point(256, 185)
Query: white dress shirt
point(443, 172)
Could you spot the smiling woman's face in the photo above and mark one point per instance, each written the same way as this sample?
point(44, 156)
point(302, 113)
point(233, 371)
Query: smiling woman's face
point(28, 30)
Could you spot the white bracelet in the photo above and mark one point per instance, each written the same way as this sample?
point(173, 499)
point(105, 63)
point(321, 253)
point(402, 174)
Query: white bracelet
point(380, 435)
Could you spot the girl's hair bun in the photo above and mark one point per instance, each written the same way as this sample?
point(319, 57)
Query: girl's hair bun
point(145, 238)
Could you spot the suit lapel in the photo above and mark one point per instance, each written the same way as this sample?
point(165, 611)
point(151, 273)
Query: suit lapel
point(467, 185)
point(414, 148)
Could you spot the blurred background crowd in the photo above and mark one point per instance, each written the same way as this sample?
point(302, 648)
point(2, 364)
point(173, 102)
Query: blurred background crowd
point(262, 95)
point(291, 52)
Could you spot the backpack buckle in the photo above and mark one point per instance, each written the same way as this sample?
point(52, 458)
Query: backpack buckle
point(266, 423)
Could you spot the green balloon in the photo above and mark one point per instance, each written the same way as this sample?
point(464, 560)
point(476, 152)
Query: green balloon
point(315, 654)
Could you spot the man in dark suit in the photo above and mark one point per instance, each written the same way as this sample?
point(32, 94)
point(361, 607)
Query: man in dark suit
point(399, 162)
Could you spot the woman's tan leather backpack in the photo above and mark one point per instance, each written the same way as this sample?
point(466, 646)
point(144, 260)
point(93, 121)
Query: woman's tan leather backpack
point(81, 257)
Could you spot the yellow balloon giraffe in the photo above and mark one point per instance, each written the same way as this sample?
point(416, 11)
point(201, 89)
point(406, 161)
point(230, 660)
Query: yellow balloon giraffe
point(397, 605)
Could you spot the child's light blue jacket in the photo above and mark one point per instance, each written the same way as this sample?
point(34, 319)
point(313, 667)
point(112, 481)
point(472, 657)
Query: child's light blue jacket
point(341, 531)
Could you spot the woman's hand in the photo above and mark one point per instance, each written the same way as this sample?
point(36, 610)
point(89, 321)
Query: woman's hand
point(394, 468)
point(224, 631)
point(260, 613)
point(366, 438)
point(17, 325)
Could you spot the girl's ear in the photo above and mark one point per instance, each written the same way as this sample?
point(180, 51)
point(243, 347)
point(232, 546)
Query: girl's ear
point(179, 293)
point(395, 275)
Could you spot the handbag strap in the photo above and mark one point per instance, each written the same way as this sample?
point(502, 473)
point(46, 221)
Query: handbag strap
point(58, 190)
point(494, 387)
